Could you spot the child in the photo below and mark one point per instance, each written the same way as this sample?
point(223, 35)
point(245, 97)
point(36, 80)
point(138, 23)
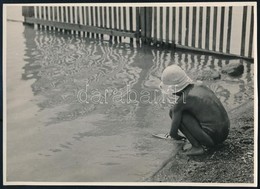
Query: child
point(198, 113)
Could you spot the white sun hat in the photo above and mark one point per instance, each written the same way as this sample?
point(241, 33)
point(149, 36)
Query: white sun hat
point(174, 79)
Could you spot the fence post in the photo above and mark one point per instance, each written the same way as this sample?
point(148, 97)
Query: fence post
point(27, 11)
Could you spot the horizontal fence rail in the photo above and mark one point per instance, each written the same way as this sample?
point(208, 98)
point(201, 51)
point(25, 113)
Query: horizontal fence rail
point(219, 30)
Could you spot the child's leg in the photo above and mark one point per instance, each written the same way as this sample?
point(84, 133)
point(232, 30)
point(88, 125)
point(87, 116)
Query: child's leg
point(196, 148)
point(191, 128)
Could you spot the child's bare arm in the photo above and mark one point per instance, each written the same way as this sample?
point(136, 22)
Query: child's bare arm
point(176, 121)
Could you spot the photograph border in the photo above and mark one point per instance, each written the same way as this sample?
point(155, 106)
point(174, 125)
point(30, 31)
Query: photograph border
point(4, 43)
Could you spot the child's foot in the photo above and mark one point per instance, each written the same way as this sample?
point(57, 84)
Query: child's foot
point(187, 146)
point(195, 151)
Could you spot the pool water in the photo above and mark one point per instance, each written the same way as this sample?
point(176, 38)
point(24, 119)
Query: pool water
point(84, 110)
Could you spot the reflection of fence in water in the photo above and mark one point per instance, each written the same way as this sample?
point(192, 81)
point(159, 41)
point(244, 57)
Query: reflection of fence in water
point(219, 29)
point(65, 58)
point(230, 91)
point(63, 65)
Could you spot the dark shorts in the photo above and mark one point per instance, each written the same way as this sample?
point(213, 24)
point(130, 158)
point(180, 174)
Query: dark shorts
point(218, 132)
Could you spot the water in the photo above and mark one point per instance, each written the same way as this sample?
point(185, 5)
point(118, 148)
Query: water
point(70, 117)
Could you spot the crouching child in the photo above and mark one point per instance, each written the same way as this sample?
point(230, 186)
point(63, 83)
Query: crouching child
point(198, 113)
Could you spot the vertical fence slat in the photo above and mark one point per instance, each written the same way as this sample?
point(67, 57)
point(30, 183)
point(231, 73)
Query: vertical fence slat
point(250, 48)
point(221, 35)
point(105, 17)
point(38, 14)
point(32, 11)
point(131, 21)
point(119, 18)
point(243, 36)
point(61, 15)
point(200, 27)
point(64, 15)
point(80, 19)
point(180, 26)
point(161, 25)
point(173, 25)
point(110, 17)
point(131, 18)
point(167, 25)
point(101, 19)
point(147, 24)
point(155, 25)
point(68, 13)
point(83, 15)
point(46, 15)
point(96, 18)
point(110, 21)
point(87, 18)
point(55, 13)
point(74, 17)
point(115, 22)
point(51, 16)
point(150, 22)
point(137, 24)
point(187, 26)
point(194, 13)
point(35, 16)
point(48, 11)
point(83, 18)
point(143, 37)
point(215, 17)
point(229, 29)
point(78, 16)
point(207, 27)
point(120, 22)
point(42, 15)
point(92, 18)
point(124, 16)
point(87, 15)
point(68, 18)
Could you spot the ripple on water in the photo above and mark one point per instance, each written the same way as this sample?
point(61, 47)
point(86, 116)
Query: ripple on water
point(65, 65)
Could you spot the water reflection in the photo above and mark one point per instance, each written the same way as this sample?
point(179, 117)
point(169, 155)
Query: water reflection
point(62, 65)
